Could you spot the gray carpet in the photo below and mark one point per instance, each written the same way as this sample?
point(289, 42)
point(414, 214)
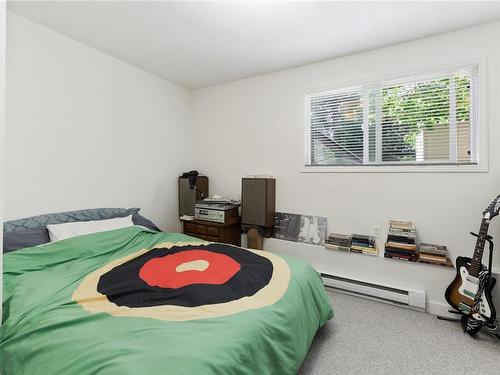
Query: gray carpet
point(369, 337)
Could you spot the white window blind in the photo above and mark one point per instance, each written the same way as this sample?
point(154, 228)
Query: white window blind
point(417, 120)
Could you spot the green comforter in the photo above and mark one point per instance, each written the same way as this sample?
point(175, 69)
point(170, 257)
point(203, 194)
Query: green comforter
point(55, 321)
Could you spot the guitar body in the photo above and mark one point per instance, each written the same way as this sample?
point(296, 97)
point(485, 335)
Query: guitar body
point(471, 296)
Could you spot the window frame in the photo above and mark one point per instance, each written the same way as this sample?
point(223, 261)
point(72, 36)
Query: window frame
point(396, 167)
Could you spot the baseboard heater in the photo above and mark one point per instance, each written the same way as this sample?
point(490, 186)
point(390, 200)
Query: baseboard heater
point(409, 298)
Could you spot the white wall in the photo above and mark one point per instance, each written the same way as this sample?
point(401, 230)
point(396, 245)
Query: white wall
point(260, 124)
point(87, 130)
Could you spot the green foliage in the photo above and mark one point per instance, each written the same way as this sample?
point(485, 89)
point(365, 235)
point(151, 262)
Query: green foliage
point(408, 109)
point(425, 104)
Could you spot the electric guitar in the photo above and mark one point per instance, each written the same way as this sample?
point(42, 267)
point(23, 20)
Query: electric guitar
point(470, 291)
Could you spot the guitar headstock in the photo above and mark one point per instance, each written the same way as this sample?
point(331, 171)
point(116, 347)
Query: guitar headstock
point(493, 209)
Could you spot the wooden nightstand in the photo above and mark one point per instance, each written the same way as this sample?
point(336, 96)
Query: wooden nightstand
point(229, 232)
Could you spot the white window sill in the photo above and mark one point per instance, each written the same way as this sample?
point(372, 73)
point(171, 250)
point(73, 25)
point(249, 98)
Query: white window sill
point(397, 169)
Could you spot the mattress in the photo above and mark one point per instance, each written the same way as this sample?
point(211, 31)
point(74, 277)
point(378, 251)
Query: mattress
point(133, 301)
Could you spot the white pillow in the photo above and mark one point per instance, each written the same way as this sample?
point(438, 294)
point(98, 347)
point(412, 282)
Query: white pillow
point(58, 232)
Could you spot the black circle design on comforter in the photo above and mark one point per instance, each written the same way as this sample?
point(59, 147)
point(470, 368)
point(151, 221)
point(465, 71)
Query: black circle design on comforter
point(124, 286)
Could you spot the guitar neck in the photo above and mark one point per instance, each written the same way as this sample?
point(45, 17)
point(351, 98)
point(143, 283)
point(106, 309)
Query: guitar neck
point(475, 266)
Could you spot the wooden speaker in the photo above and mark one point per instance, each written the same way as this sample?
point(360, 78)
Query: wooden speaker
point(258, 201)
point(188, 197)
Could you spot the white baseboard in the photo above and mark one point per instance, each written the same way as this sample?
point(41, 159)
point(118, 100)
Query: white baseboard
point(437, 308)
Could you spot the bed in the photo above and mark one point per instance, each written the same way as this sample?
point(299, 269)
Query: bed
point(134, 300)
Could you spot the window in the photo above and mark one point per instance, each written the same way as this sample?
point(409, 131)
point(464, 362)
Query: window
point(418, 120)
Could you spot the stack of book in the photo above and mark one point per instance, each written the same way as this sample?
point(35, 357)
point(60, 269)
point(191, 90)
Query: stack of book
point(401, 241)
point(363, 244)
point(433, 254)
point(337, 241)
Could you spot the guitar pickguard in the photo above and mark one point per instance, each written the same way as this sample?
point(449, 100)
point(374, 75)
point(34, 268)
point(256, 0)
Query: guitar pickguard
point(474, 288)
point(470, 284)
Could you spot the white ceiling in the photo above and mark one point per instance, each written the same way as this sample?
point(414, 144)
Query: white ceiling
point(199, 44)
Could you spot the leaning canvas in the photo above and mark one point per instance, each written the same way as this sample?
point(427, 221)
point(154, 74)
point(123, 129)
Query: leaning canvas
point(300, 228)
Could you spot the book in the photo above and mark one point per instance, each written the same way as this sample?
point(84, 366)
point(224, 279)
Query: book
point(358, 243)
point(400, 257)
point(433, 249)
point(433, 258)
point(403, 246)
point(403, 226)
point(390, 250)
point(337, 247)
point(339, 239)
point(361, 239)
point(371, 251)
point(404, 239)
point(402, 234)
point(443, 264)
point(337, 236)
point(360, 248)
point(399, 232)
point(356, 249)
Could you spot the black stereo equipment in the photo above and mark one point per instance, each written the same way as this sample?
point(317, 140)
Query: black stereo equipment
point(192, 187)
